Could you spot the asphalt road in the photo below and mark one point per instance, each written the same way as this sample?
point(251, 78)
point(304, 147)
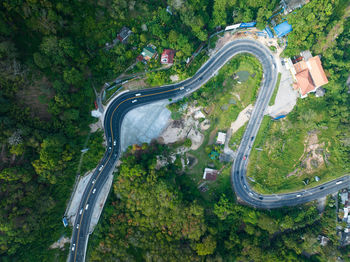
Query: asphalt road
point(124, 103)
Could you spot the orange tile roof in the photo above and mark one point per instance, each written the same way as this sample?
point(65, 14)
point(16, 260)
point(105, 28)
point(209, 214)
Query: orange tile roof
point(316, 71)
point(300, 66)
point(304, 82)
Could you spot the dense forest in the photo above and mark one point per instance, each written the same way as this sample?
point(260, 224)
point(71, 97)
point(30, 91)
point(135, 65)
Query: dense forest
point(53, 55)
point(157, 214)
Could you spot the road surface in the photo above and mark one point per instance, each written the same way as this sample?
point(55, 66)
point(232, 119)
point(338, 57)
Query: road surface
point(127, 101)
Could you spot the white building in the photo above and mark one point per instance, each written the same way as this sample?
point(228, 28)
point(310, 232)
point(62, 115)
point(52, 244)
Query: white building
point(221, 138)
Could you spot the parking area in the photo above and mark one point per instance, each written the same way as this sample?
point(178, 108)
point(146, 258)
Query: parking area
point(286, 97)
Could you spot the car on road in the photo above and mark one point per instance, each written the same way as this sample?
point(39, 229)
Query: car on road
point(93, 181)
point(109, 149)
point(138, 94)
point(261, 198)
point(134, 101)
point(81, 211)
point(87, 206)
point(322, 187)
point(93, 191)
point(182, 88)
point(251, 139)
point(100, 168)
point(245, 157)
point(77, 226)
point(114, 142)
point(245, 186)
point(298, 195)
point(339, 182)
point(73, 247)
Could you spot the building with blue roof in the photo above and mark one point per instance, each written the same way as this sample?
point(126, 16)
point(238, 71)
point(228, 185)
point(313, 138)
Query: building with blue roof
point(283, 29)
point(268, 31)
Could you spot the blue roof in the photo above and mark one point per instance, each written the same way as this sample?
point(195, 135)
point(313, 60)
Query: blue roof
point(283, 29)
point(269, 32)
point(245, 25)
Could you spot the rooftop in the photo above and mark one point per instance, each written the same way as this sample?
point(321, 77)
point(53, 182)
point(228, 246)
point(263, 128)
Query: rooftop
point(304, 82)
point(221, 138)
point(283, 29)
point(210, 174)
point(167, 56)
point(309, 74)
point(316, 70)
point(148, 52)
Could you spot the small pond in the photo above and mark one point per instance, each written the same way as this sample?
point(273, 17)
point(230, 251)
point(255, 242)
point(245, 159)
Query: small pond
point(243, 75)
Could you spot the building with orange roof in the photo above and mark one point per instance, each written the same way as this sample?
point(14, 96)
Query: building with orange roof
point(309, 75)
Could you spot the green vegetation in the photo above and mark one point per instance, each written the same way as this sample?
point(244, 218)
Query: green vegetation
point(273, 98)
point(273, 48)
point(313, 139)
point(222, 99)
point(95, 153)
point(306, 144)
point(52, 54)
point(155, 214)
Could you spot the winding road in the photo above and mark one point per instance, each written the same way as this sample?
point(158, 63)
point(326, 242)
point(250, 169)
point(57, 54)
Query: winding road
point(127, 101)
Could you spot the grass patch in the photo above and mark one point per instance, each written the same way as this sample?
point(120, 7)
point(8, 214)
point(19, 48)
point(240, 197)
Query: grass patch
point(296, 149)
point(273, 98)
point(235, 139)
point(273, 48)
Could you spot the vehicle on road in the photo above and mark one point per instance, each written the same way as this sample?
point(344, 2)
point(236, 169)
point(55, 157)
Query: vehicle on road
point(245, 186)
point(182, 88)
point(93, 181)
point(322, 187)
point(138, 94)
point(339, 182)
point(109, 149)
point(77, 226)
point(134, 101)
point(100, 168)
point(73, 247)
point(81, 211)
point(93, 191)
point(245, 157)
point(114, 142)
point(87, 206)
point(261, 198)
point(298, 195)
point(251, 139)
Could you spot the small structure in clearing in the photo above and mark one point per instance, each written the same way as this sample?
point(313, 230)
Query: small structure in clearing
point(221, 138)
point(210, 174)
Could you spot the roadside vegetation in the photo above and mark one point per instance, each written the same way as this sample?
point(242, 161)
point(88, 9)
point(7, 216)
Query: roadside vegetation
point(274, 94)
point(53, 51)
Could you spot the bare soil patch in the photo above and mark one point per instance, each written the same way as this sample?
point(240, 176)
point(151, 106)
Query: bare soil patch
point(135, 84)
point(312, 158)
